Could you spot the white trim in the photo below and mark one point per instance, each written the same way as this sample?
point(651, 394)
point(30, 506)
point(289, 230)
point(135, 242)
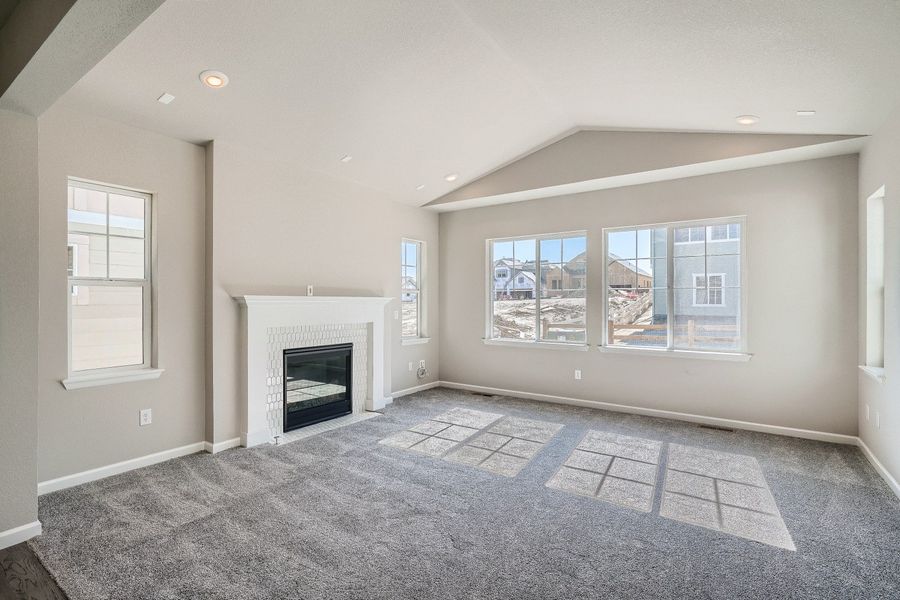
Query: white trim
point(822, 436)
point(104, 377)
point(220, 446)
point(414, 341)
point(67, 481)
point(19, 534)
point(876, 373)
point(512, 343)
point(880, 468)
point(675, 353)
point(416, 388)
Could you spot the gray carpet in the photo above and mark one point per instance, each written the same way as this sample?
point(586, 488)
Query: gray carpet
point(341, 516)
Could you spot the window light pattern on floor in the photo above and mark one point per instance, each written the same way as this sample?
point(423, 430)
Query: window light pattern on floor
point(507, 447)
point(504, 445)
point(722, 491)
point(613, 468)
point(442, 433)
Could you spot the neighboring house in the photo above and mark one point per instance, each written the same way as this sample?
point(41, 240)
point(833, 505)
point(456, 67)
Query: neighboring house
point(625, 274)
point(512, 280)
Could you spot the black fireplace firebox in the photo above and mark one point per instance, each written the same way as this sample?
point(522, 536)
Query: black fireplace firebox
point(318, 384)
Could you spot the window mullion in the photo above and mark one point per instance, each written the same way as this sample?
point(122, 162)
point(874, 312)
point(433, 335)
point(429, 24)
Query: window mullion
point(670, 287)
point(537, 288)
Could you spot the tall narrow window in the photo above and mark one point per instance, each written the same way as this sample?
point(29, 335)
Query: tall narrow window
point(411, 254)
point(875, 280)
point(537, 289)
point(109, 277)
point(676, 286)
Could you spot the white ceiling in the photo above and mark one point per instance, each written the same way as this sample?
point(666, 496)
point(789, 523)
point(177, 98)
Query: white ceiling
point(417, 89)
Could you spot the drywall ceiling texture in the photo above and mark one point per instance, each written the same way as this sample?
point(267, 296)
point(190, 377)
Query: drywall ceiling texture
point(878, 167)
point(18, 318)
point(802, 238)
point(415, 90)
point(277, 228)
point(93, 427)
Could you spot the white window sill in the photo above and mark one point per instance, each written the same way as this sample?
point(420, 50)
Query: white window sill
point(876, 373)
point(414, 341)
point(667, 353)
point(77, 382)
point(539, 345)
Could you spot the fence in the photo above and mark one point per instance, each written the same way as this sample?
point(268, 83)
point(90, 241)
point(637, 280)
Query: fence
point(692, 330)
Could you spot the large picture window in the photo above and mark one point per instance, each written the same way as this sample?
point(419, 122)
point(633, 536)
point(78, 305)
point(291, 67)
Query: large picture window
point(537, 288)
point(676, 286)
point(108, 254)
point(411, 288)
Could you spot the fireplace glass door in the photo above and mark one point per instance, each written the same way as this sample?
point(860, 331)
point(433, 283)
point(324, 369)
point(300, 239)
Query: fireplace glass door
point(317, 384)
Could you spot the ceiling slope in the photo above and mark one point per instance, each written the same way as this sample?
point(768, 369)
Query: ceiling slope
point(592, 160)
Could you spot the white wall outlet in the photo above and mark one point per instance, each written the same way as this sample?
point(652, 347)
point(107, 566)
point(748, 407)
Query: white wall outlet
point(421, 364)
point(577, 373)
point(146, 416)
point(410, 367)
point(309, 290)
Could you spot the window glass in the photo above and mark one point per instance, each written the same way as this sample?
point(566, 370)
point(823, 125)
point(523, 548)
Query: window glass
point(410, 288)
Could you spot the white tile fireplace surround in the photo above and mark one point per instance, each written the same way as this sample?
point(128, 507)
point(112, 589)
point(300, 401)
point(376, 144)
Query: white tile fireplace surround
point(271, 324)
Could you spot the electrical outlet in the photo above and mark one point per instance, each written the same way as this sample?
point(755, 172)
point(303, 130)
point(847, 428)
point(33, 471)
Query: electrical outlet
point(410, 367)
point(309, 290)
point(421, 364)
point(146, 416)
point(577, 373)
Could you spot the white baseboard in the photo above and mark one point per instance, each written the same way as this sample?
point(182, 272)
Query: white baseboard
point(416, 388)
point(888, 478)
point(220, 446)
point(822, 436)
point(67, 481)
point(19, 534)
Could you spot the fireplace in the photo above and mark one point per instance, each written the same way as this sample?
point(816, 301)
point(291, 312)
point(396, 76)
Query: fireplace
point(318, 384)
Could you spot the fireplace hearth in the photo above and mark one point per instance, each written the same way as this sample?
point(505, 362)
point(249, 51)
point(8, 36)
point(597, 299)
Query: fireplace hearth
point(318, 384)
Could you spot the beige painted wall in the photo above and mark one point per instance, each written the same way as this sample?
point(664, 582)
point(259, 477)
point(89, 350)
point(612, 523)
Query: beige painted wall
point(18, 319)
point(802, 240)
point(93, 427)
point(276, 228)
point(880, 166)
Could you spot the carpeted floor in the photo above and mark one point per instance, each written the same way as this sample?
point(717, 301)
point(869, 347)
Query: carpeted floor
point(340, 516)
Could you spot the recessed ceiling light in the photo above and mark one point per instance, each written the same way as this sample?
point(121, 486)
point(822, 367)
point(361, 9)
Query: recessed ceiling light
point(165, 98)
point(451, 177)
point(214, 79)
point(420, 187)
point(806, 113)
point(747, 120)
point(346, 158)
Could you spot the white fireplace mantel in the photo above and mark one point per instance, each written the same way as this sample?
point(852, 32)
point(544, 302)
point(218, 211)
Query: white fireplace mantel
point(259, 314)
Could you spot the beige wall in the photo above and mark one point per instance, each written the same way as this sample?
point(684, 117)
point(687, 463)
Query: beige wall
point(880, 166)
point(93, 427)
point(802, 240)
point(277, 228)
point(18, 319)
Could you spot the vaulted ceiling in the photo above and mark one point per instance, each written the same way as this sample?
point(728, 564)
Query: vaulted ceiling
point(416, 89)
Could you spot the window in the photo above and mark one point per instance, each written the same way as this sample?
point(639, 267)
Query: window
point(711, 295)
point(676, 286)
point(543, 300)
point(109, 278)
point(875, 280)
point(411, 254)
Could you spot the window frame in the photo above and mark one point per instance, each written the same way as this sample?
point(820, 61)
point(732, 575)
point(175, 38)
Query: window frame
point(670, 288)
point(145, 283)
point(418, 291)
point(489, 289)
